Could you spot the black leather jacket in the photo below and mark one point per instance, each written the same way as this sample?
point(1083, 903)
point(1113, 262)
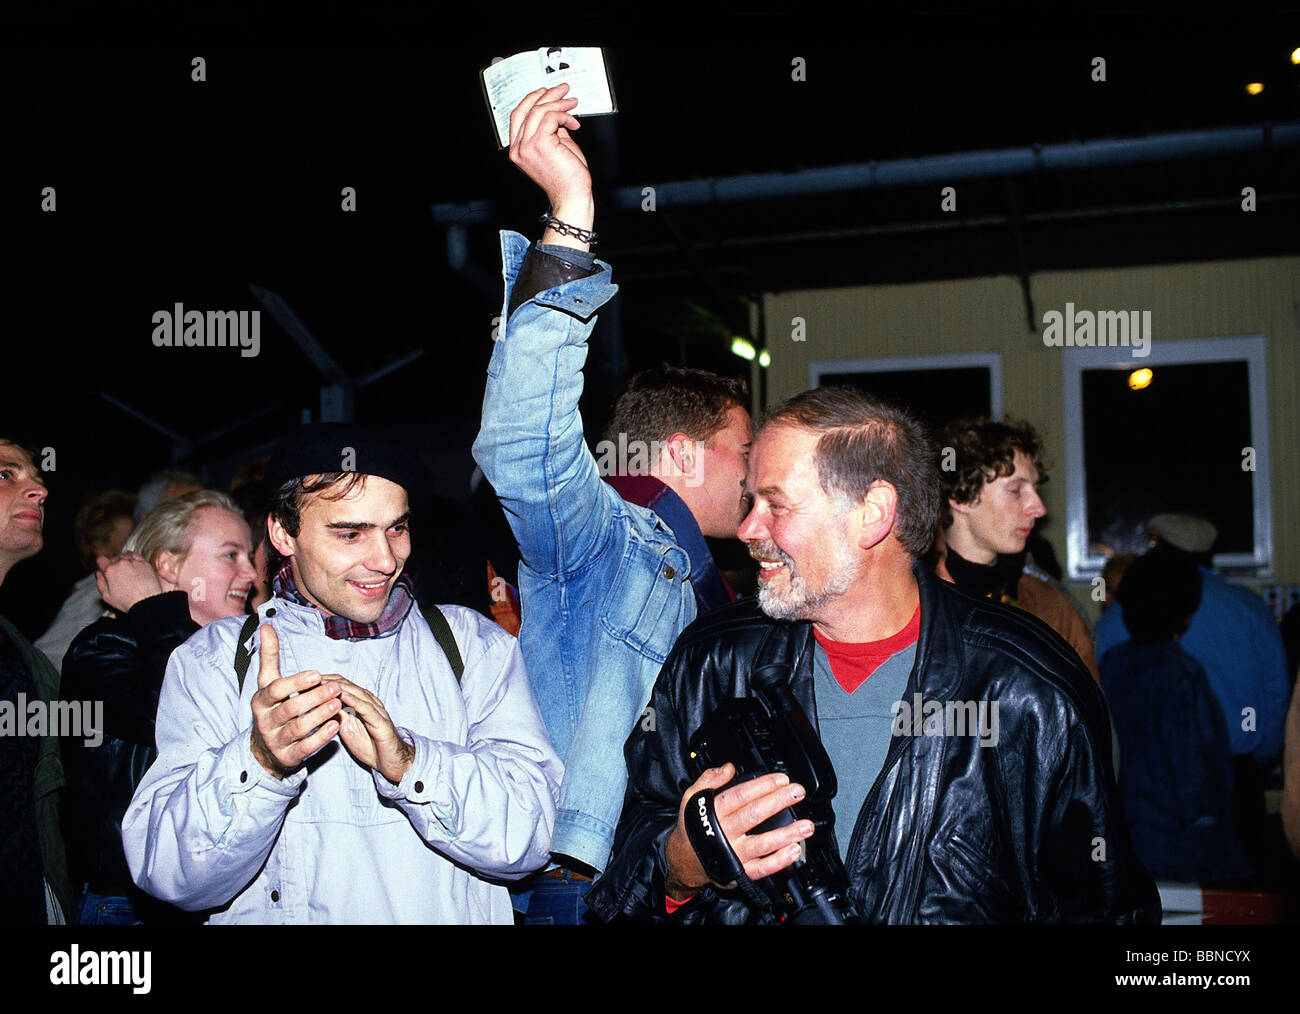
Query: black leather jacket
point(1028, 830)
point(119, 660)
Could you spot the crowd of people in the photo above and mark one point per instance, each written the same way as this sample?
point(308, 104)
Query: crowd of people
point(293, 732)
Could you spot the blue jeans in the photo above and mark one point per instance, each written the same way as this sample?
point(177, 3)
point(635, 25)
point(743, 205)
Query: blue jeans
point(105, 910)
point(557, 902)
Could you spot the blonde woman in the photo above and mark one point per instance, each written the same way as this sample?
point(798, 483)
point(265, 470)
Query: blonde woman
point(185, 565)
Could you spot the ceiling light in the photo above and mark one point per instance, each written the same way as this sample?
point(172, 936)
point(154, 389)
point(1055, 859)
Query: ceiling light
point(1139, 379)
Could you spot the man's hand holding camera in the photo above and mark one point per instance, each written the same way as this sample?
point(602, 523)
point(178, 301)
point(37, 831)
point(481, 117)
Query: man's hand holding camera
point(739, 809)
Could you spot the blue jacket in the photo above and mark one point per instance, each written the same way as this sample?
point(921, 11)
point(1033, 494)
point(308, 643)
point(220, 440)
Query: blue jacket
point(1235, 637)
point(605, 585)
point(1177, 778)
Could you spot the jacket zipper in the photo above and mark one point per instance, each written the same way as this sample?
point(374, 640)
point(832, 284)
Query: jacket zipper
point(892, 757)
point(859, 826)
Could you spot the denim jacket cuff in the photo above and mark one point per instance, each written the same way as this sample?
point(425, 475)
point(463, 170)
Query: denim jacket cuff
point(541, 270)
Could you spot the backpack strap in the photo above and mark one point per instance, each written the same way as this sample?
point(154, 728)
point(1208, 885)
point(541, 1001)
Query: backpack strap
point(243, 657)
point(442, 632)
point(432, 614)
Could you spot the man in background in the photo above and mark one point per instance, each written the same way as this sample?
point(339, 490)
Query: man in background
point(100, 531)
point(35, 888)
point(1232, 633)
point(991, 505)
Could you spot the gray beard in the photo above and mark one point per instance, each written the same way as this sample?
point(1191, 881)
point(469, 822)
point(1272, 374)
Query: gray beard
point(796, 601)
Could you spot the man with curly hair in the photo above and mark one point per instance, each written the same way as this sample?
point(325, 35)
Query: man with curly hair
point(991, 503)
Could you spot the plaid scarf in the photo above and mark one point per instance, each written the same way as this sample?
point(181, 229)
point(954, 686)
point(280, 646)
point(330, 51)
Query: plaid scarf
point(340, 628)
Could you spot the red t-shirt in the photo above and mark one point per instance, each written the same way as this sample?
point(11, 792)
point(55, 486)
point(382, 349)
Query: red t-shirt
point(851, 663)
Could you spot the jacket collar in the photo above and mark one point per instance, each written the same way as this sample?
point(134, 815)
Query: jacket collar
point(940, 666)
point(786, 651)
point(710, 587)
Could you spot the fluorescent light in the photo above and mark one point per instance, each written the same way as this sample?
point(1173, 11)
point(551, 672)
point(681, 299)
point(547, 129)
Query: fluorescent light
point(743, 348)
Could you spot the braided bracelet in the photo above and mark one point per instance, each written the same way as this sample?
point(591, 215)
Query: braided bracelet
point(565, 229)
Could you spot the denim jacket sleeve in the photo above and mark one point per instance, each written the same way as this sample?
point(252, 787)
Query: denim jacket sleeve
point(530, 444)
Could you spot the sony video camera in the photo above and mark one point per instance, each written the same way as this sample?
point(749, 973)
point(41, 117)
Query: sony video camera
point(765, 732)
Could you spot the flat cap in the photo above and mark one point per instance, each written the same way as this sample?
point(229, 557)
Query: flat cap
point(1187, 532)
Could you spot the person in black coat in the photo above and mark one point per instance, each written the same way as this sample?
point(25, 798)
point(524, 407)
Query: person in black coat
point(185, 565)
point(969, 745)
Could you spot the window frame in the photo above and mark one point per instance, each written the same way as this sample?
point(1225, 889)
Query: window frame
point(1251, 349)
point(823, 371)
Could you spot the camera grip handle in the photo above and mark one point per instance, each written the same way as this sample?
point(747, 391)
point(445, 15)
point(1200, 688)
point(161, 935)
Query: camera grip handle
point(715, 853)
point(704, 832)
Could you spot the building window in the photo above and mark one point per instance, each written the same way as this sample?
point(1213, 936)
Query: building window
point(1183, 429)
point(936, 389)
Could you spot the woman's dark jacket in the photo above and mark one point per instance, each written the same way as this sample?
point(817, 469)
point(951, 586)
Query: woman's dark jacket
point(119, 660)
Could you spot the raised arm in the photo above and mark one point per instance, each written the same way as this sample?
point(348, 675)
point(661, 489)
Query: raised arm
point(530, 444)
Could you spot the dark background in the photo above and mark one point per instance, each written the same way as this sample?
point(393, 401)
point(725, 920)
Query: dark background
point(174, 191)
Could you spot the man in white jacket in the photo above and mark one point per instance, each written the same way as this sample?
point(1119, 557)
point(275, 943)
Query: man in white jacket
point(297, 798)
